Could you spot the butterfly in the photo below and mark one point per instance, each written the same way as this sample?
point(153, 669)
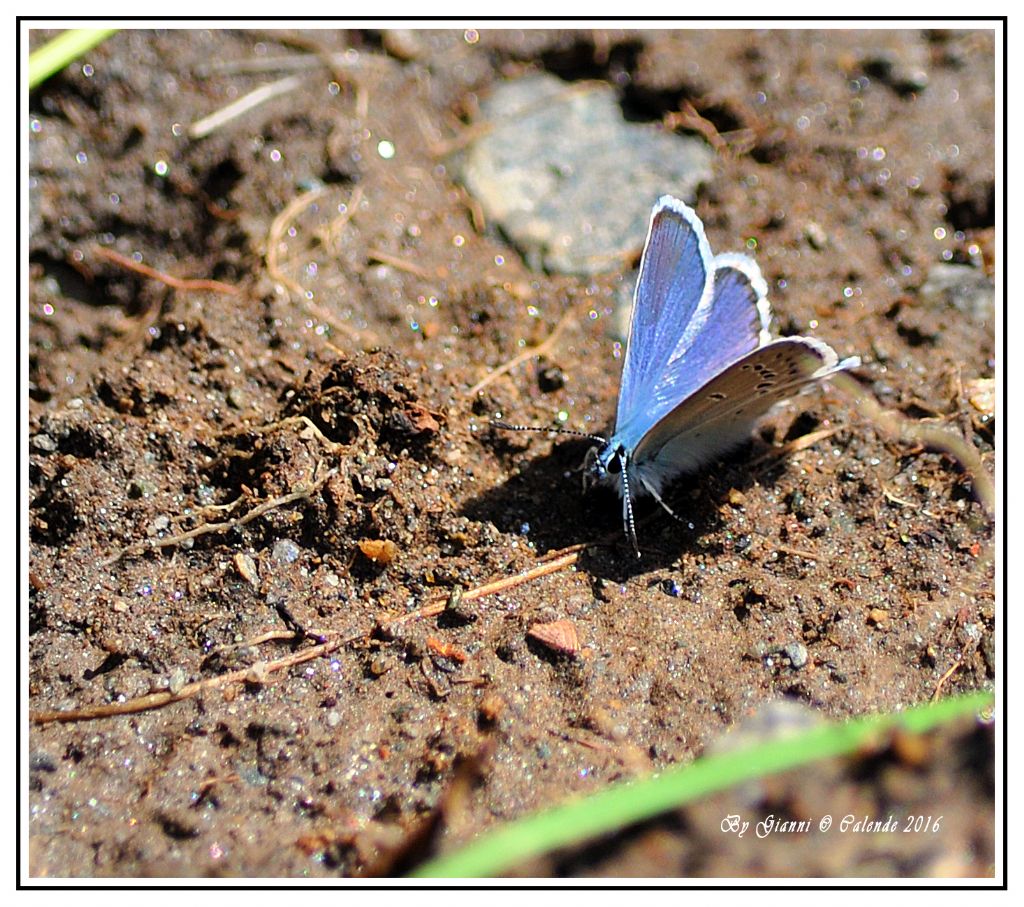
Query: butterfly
point(700, 367)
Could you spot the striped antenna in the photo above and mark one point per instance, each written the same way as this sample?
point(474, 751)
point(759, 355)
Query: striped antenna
point(508, 426)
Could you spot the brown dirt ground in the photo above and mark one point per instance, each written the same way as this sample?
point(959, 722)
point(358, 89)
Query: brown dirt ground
point(344, 375)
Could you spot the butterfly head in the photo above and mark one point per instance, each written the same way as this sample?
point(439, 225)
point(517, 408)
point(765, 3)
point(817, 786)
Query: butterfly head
point(605, 464)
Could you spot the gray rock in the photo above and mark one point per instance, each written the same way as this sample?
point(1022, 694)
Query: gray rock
point(570, 182)
point(963, 288)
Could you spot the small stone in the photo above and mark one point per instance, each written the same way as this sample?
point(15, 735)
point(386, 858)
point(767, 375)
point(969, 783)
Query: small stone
point(246, 568)
point(968, 635)
point(905, 75)
point(878, 616)
point(797, 654)
point(981, 394)
point(736, 497)
point(141, 488)
point(44, 443)
point(558, 635)
point(237, 398)
point(672, 588)
point(775, 720)
point(550, 379)
point(553, 157)
point(176, 682)
point(492, 707)
point(962, 287)
point(816, 236)
point(380, 551)
point(257, 674)
point(403, 43)
point(285, 551)
point(159, 524)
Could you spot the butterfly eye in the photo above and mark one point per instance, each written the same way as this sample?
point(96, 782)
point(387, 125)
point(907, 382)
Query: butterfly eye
point(615, 464)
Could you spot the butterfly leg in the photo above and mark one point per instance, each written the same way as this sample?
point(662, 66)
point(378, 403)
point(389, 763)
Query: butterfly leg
point(654, 494)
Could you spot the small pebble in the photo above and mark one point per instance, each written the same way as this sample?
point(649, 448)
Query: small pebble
point(558, 635)
point(246, 568)
point(237, 398)
point(550, 379)
point(44, 443)
point(797, 654)
point(380, 551)
point(981, 392)
point(159, 524)
point(141, 488)
point(878, 616)
point(176, 682)
point(257, 674)
point(671, 587)
point(285, 551)
point(492, 707)
point(816, 236)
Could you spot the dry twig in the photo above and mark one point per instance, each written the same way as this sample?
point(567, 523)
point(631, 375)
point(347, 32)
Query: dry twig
point(165, 697)
point(176, 283)
point(541, 349)
point(207, 528)
point(280, 226)
point(210, 124)
point(560, 562)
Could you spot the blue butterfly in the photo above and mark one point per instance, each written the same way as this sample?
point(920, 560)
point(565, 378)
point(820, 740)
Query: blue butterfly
point(701, 366)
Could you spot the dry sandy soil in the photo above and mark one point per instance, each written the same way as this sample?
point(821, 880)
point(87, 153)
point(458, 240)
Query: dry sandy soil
point(286, 453)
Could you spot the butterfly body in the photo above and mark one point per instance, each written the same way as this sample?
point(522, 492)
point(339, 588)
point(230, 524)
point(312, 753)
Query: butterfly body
point(701, 367)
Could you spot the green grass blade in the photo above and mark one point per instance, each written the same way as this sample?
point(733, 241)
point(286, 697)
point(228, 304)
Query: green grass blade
point(62, 50)
point(624, 804)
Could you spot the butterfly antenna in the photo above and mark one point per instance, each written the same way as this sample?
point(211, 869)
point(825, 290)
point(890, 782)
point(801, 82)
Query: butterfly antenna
point(627, 510)
point(508, 426)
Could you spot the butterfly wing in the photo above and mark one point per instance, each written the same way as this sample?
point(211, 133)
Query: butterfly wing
point(721, 414)
point(693, 314)
point(673, 282)
point(736, 323)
